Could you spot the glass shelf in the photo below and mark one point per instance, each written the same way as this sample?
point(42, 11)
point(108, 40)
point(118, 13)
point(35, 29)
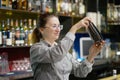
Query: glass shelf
point(113, 22)
point(13, 47)
point(19, 11)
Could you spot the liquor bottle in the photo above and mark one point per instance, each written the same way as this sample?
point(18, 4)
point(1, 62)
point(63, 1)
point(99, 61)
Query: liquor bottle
point(75, 8)
point(9, 34)
point(43, 6)
point(26, 32)
point(64, 7)
point(81, 8)
point(24, 4)
point(19, 4)
point(115, 74)
point(17, 34)
point(115, 12)
point(4, 3)
point(22, 35)
point(58, 8)
point(4, 35)
point(49, 6)
point(29, 5)
point(110, 12)
point(69, 7)
point(30, 33)
point(13, 32)
point(34, 23)
point(0, 35)
point(14, 4)
point(10, 4)
point(38, 5)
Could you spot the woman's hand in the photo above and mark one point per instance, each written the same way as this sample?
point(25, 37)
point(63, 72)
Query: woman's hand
point(95, 50)
point(82, 23)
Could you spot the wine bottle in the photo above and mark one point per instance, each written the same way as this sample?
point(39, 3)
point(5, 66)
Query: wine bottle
point(0, 35)
point(14, 4)
point(13, 32)
point(30, 33)
point(22, 35)
point(24, 4)
point(9, 34)
point(26, 32)
point(4, 35)
point(17, 34)
point(81, 8)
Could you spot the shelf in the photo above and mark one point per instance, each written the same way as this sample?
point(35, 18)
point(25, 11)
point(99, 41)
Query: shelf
point(19, 11)
point(17, 14)
point(16, 75)
point(13, 12)
point(13, 47)
point(113, 22)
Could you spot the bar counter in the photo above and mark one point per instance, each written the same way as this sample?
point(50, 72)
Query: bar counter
point(117, 77)
point(22, 75)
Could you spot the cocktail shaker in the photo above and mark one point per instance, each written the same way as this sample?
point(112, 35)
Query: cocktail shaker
point(94, 33)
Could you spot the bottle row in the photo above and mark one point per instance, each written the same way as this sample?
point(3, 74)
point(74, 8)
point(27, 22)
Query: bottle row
point(62, 7)
point(15, 4)
point(16, 32)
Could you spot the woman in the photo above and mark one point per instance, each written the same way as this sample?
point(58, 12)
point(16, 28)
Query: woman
point(51, 60)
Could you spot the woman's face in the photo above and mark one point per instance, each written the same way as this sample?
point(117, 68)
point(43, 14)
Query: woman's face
point(52, 29)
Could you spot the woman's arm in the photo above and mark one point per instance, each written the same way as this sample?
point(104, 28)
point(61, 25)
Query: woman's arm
point(40, 52)
point(82, 23)
point(95, 50)
point(80, 69)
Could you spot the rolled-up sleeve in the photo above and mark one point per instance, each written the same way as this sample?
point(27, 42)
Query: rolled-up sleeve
point(81, 69)
point(44, 54)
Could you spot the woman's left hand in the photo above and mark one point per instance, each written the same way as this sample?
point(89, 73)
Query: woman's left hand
point(95, 50)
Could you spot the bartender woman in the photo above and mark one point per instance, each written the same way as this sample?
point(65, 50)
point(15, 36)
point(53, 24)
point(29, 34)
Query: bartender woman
point(51, 60)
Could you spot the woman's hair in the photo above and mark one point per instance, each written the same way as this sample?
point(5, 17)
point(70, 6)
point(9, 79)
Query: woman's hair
point(42, 20)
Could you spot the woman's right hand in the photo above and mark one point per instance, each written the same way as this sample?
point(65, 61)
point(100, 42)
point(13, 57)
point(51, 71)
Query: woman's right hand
point(95, 50)
point(82, 23)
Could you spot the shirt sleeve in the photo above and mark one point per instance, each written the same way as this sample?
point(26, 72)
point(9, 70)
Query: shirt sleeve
point(44, 54)
point(81, 69)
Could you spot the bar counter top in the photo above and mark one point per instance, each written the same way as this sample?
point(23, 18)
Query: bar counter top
point(21, 75)
point(117, 77)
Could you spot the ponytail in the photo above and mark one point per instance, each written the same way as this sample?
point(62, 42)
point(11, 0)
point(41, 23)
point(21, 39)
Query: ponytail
point(36, 35)
point(42, 20)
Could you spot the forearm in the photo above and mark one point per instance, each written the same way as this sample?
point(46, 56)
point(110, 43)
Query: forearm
point(73, 29)
point(94, 51)
point(81, 69)
point(82, 23)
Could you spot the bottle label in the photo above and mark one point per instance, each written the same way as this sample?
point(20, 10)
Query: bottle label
point(17, 42)
point(9, 41)
point(81, 9)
